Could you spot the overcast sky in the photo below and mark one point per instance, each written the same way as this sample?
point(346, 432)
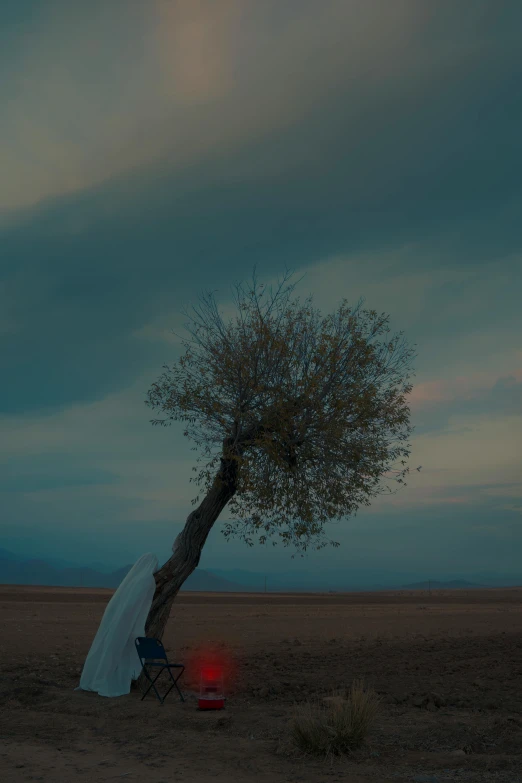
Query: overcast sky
point(153, 150)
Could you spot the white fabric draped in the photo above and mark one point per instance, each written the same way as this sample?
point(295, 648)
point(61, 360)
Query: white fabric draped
point(112, 662)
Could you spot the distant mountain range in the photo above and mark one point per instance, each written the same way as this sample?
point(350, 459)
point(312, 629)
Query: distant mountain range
point(17, 570)
point(453, 584)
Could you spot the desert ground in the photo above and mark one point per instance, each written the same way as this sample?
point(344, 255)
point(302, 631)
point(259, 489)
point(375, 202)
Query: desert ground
point(447, 666)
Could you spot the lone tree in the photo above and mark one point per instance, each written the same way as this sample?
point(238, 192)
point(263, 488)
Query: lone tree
point(299, 417)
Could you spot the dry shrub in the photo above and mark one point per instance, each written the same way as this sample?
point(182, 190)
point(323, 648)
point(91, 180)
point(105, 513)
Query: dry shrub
point(338, 727)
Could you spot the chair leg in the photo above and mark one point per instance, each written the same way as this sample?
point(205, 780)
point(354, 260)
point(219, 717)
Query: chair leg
point(175, 682)
point(152, 685)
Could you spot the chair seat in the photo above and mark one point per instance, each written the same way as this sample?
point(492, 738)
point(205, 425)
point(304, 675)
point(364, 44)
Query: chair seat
point(165, 665)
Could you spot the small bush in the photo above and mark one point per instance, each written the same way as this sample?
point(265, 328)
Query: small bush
point(338, 727)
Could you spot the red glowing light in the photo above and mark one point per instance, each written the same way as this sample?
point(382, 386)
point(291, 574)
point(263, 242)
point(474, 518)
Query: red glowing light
point(211, 663)
point(211, 674)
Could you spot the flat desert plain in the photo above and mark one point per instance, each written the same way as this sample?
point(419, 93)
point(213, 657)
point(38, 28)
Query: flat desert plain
point(447, 667)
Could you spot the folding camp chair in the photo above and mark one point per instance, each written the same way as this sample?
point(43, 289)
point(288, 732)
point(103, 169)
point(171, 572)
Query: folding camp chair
point(152, 653)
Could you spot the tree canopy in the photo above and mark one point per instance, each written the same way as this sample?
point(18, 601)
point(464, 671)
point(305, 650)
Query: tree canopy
point(311, 410)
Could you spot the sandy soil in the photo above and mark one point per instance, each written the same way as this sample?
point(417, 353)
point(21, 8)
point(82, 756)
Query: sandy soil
point(464, 647)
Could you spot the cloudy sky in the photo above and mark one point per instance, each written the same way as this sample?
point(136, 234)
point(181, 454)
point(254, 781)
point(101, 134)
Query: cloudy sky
point(153, 150)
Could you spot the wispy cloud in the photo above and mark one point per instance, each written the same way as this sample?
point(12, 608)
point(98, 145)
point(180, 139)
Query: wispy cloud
point(93, 92)
point(436, 404)
point(152, 154)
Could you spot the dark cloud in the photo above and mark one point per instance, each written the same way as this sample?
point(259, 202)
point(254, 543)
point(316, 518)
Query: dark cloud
point(432, 157)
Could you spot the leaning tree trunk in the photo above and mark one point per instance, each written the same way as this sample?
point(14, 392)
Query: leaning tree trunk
point(187, 549)
point(189, 543)
point(185, 556)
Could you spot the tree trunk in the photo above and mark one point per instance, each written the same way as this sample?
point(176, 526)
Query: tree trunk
point(189, 544)
point(187, 549)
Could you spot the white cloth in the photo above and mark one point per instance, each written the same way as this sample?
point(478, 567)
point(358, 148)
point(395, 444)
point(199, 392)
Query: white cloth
point(113, 662)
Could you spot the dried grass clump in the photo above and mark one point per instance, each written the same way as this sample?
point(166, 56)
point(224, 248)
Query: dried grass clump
point(337, 725)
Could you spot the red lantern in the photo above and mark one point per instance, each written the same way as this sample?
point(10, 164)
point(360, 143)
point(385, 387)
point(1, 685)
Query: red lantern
point(211, 690)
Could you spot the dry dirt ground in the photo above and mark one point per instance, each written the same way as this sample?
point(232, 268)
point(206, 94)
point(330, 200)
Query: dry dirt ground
point(448, 668)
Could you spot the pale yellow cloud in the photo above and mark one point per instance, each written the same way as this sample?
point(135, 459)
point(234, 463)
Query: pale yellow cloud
point(197, 45)
point(465, 387)
point(94, 92)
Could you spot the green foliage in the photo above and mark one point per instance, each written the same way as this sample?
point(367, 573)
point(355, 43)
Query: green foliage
point(313, 410)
